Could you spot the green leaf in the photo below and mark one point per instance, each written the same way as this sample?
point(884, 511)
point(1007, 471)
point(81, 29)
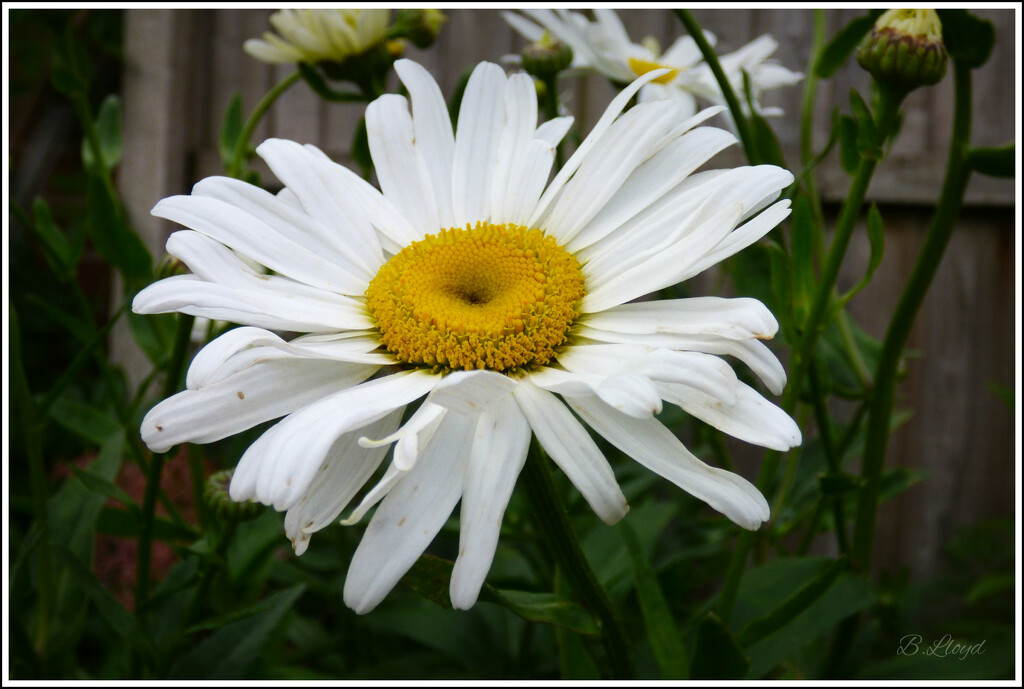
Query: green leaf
point(154, 334)
point(782, 288)
point(802, 252)
point(843, 44)
point(455, 102)
point(989, 586)
point(112, 238)
point(320, 87)
point(230, 129)
point(968, 38)
point(108, 131)
point(123, 623)
point(98, 484)
point(876, 236)
point(231, 650)
point(849, 156)
point(898, 480)
point(716, 654)
point(661, 628)
point(868, 145)
point(762, 627)
point(113, 521)
point(997, 161)
point(58, 251)
point(84, 421)
point(75, 326)
point(430, 577)
point(69, 64)
point(765, 142)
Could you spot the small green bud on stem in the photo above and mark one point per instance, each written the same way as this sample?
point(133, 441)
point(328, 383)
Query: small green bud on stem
point(905, 50)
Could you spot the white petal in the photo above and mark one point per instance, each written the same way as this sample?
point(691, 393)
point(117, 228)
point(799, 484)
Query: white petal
point(235, 228)
point(471, 392)
point(410, 516)
point(516, 135)
point(277, 304)
point(500, 442)
point(345, 469)
point(737, 319)
point(401, 169)
point(573, 450)
point(478, 136)
point(286, 457)
point(651, 444)
point(553, 131)
point(751, 417)
point(413, 435)
point(631, 394)
point(433, 129)
point(306, 175)
point(257, 393)
point(742, 237)
point(528, 29)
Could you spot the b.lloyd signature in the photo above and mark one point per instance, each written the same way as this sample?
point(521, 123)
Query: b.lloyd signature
point(946, 647)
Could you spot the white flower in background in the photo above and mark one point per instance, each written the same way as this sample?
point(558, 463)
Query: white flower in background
point(603, 46)
point(496, 300)
point(319, 35)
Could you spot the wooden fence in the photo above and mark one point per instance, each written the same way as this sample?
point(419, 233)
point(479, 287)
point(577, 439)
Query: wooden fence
point(184, 65)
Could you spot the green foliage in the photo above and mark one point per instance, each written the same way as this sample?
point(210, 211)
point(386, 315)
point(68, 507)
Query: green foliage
point(997, 161)
point(968, 38)
point(842, 45)
point(108, 132)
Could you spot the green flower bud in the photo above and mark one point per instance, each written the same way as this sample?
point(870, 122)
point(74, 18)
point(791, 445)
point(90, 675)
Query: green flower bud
point(215, 495)
point(358, 69)
point(546, 57)
point(904, 49)
point(421, 27)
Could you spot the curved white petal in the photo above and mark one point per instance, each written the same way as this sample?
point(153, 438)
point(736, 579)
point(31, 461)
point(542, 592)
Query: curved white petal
point(478, 136)
point(651, 444)
point(410, 516)
point(500, 442)
point(736, 318)
point(471, 392)
point(284, 460)
point(573, 450)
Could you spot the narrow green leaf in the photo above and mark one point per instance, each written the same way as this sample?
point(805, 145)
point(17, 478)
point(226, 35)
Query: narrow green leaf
point(113, 521)
point(69, 64)
point(75, 326)
point(84, 421)
point(319, 85)
point(876, 235)
point(898, 480)
point(58, 251)
point(123, 623)
point(782, 288)
point(807, 595)
point(112, 238)
point(231, 650)
point(868, 145)
point(230, 129)
point(765, 142)
point(662, 631)
point(98, 484)
point(108, 129)
point(429, 577)
point(716, 654)
point(990, 586)
point(360, 149)
point(998, 161)
point(849, 156)
point(455, 102)
point(153, 333)
point(544, 607)
point(968, 38)
point(842, 45)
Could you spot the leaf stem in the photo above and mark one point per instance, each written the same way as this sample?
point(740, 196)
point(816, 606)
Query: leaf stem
point(552, 519)
point(242, 143)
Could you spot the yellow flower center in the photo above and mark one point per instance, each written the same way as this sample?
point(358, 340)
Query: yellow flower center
point(495, 297)
point(642, 67)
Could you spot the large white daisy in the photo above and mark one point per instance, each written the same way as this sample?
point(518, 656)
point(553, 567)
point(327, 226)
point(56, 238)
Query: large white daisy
point(604, 46)
point(495, 299)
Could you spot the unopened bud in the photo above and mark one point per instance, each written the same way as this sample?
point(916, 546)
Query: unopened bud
point(216, 497)
point(420, 26)
point(546, 57)
point(904, 49)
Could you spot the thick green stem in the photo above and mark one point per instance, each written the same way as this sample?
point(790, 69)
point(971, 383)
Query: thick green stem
point(693, 28)
point(552, 519)
point(156, 467)
point(832, 458)
point(941, 229)
point(242, 144)
point(803, 352)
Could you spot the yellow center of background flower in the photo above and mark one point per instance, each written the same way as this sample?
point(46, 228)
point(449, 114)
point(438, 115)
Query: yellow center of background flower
point(495, 297)
point(642, 67)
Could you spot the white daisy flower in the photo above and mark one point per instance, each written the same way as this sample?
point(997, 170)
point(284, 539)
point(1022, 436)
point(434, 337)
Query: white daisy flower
point(495, 298)
point(604, 46)
point(319, 35)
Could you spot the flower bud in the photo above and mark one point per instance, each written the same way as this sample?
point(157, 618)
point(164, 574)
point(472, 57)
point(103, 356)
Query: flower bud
point(420, 26)
point(217, 499)
point(546, 57)
point(904, 49)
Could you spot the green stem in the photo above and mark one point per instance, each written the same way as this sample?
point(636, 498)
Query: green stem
point(93, 139)
point(242, 144)
point(723, 82)
point(156, 466)
point(807, 117)
point(552, 519)
point(834, 466)
point(957, 174)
